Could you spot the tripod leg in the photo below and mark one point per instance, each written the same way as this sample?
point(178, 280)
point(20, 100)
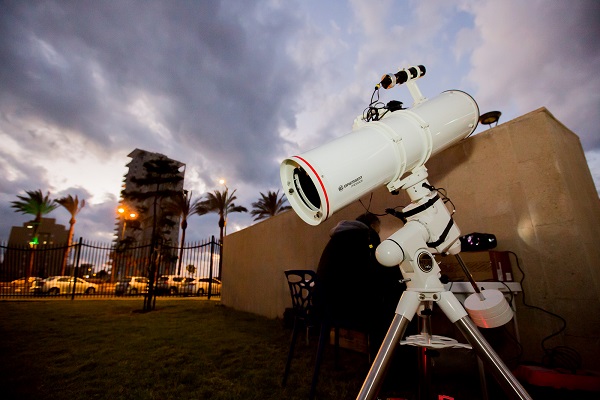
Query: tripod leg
point(376, 374)
point(482, 381)
point(486, 353)
point(407, 307)
point(424, 359)
point(459, 317)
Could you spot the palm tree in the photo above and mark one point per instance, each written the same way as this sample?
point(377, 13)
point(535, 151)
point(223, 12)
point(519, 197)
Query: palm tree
point(73, 206)
point(35, 203)
point(221, 203)
point(269, 205)
point(181, 205)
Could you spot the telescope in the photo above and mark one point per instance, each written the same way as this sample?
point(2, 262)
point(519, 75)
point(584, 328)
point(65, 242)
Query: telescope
point(324, 180)
point(390, 146)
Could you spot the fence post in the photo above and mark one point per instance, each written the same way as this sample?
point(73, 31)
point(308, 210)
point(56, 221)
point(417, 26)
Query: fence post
point(220, 257)
point(76, 269)
point(210, 271)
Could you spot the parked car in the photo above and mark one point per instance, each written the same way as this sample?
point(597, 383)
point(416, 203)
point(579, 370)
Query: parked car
point(55, 285)
point(172, 284)
point(19, 286)
point(201, 286)
point(132, 285)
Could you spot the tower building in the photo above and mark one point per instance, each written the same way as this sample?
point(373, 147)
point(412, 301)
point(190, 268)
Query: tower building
point(151, 178)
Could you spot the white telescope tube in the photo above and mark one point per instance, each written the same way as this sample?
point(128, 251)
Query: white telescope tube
point(324, 180)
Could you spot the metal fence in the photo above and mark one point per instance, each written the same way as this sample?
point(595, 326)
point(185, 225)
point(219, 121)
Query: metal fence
point(95, 269)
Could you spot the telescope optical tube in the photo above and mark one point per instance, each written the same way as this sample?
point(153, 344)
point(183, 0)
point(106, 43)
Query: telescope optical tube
point(323, 180)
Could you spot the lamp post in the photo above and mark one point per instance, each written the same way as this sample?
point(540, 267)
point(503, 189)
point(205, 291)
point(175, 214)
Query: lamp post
point(125, 215)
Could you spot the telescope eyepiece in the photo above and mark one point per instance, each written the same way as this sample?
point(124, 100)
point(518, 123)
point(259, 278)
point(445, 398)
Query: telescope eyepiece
point(390, 80)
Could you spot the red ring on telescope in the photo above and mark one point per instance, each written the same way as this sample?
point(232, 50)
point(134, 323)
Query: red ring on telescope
point(320, 182)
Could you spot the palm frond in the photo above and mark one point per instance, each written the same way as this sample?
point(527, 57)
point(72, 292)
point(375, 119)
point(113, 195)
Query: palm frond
point(35, 203)
point(269, 205)
point(71, 204)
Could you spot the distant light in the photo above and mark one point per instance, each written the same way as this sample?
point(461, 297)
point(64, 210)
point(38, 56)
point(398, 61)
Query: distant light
point(490, 117)
point(222, 181)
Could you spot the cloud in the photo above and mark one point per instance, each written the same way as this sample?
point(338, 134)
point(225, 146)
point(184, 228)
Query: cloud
point(203, 82)
point(147, 74)
point(593, 159)
point(540, 53)
point(230, 88)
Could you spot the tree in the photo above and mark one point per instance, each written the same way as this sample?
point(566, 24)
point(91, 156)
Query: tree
point(222, 204)
point(73, 206)
point(159, 182)
point(268, 206)
point(181, 205)
point(35, 203)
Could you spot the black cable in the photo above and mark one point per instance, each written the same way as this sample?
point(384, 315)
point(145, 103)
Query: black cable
point(558, 356)
point(516, 359)
point(443, 195)
point(563, 357)
point(373, 111)
point(366, 208)
point(376, 91)
point(512, 294)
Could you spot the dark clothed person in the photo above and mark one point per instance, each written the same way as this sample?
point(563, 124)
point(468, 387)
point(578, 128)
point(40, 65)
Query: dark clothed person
point(355, 291)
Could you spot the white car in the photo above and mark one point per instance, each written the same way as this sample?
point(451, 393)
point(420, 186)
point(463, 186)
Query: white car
point(132, 285)
point(172, 284)
point(55, 285)
point(20, 286)
point(199, 286)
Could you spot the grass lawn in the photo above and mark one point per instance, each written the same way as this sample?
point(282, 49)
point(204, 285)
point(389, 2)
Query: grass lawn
point(186, 349)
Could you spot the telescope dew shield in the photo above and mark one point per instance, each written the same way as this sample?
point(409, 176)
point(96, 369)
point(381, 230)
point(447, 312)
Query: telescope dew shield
point(324, 180)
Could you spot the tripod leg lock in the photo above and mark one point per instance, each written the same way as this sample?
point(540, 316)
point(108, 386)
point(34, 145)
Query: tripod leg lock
point(408, 304)
point(450, 305)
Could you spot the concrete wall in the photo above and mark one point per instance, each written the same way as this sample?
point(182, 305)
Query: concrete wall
point(526, 181)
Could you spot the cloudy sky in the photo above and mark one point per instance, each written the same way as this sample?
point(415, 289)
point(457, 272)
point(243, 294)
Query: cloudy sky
point(232, 87)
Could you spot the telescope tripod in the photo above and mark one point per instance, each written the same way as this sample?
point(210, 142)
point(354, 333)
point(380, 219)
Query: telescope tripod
point(428, 229)
point(408, 305)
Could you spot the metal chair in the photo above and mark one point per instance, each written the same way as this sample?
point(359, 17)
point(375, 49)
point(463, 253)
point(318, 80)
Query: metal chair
point(302, 284)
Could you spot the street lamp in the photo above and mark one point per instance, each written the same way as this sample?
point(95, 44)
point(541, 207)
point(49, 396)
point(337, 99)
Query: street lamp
point(126, 216)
